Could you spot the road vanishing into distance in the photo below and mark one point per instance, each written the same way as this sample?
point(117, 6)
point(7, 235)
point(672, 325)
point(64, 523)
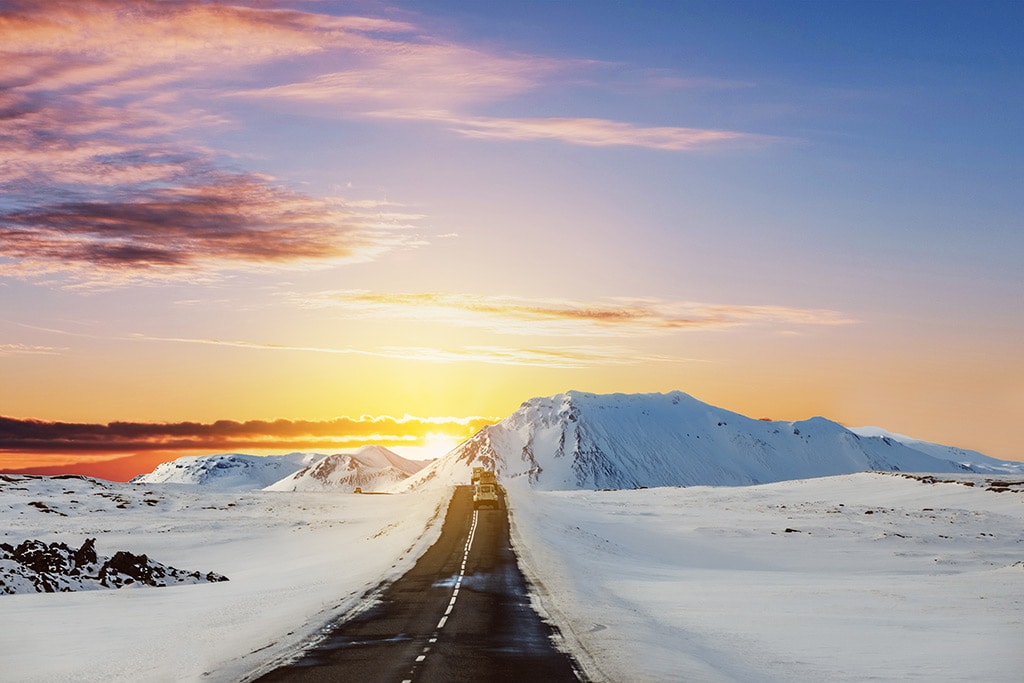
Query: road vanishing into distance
point(461, 614)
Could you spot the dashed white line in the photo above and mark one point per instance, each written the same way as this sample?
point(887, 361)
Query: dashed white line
point(455, 593)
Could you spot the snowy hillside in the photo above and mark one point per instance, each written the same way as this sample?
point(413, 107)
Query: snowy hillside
point(371, 468)
point(227, 472)
point(588, 441)
point(961, 455)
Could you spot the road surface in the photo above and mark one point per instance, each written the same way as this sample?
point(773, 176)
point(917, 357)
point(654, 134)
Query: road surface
point(461, 614)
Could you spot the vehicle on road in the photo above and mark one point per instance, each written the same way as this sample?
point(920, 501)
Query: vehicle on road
point(485, 488)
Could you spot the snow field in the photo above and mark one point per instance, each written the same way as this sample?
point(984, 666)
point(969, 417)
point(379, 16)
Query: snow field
point(705, 583)
point(294, 560)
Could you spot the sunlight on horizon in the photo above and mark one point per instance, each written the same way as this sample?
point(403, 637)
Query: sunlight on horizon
point(435, 445)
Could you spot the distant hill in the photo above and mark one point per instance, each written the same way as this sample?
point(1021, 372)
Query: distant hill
point(228, 471)
point(588, 441)
point(960, 455)
point(371, 468)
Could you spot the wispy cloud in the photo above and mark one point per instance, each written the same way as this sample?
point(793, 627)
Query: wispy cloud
point(419, 78)
point(609, 317)
point(418, 74)
point(565, 357)
point(26, 435)
point(28, 350)
point(587, 132)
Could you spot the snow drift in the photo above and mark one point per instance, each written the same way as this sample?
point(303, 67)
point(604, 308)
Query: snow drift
point(587, 441)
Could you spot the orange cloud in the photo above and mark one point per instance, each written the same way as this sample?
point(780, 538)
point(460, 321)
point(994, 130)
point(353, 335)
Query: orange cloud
point(612, 317)
point(58, 44)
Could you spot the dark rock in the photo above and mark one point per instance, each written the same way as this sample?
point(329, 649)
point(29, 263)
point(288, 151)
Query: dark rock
point(87, 553)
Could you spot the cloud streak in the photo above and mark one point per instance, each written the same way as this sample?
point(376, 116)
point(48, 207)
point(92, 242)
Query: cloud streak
point(231, 221)
point(28, 350)
point(611, 317)
point(585, 132)
point(558, 357)
point(37, 436)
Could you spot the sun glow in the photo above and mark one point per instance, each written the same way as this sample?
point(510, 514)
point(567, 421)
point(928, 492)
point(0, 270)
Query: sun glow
point(434, 445)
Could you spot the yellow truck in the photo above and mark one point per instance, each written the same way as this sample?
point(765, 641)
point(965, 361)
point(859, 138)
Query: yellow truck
point(485, 488)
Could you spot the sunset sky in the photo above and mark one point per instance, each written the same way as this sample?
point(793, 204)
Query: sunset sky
point(315, 225)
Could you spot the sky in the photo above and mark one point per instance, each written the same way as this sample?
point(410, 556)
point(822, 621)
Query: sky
point(284, 226)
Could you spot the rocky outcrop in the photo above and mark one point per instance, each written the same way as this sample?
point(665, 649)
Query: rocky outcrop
point(36, 567)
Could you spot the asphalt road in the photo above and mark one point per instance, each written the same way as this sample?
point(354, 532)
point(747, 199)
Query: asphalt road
point(461, 614)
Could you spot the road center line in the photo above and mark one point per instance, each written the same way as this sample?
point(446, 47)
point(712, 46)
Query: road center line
point(455, 592)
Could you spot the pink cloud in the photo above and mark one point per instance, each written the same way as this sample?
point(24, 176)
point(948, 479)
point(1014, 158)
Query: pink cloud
point(588, 132)
point(101, 183)
point(417, 75)
point(100, 103)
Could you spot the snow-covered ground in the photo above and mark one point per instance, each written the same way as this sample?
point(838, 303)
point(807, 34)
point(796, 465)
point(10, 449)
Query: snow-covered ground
point(293, 560)
point(880, 578)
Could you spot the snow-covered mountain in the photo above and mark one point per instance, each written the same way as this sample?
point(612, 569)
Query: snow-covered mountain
point(371, 468)
point(588, 441)
point(229, 471)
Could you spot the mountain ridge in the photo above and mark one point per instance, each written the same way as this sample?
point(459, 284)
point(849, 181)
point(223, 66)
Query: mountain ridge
point(371, 468)
point(579, 440)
